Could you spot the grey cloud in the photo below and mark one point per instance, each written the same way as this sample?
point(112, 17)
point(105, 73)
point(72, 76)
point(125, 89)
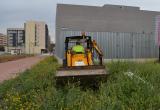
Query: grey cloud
point(14, 13)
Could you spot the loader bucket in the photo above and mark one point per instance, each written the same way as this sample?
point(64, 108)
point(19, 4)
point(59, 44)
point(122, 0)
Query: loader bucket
point(85, 76)
point(82, 71)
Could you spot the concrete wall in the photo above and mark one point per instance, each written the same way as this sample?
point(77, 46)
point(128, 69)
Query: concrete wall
point(35, 33)
point(41, 34)
point(108, 18)
point(105, 19)
point(29, 37)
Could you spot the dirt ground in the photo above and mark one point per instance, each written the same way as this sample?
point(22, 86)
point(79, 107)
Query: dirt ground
point(12, 68)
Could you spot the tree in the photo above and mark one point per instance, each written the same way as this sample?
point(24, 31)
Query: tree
point(51, 47)
point(2, 48)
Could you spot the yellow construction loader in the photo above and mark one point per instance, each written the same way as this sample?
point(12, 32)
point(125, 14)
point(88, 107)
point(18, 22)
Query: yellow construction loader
point(82, 63)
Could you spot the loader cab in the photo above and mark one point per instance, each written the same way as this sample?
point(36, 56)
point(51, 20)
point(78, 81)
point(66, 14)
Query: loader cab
point(78, 59)
point(85, 41)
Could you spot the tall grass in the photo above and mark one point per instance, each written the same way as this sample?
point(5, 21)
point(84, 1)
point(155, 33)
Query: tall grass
point(36, 89)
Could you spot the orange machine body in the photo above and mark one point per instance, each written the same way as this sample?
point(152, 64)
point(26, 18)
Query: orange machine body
point(83, 59)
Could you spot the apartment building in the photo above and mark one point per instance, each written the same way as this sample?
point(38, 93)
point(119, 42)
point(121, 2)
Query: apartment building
point(3, 40)
point(36, 37)
point(15, 40)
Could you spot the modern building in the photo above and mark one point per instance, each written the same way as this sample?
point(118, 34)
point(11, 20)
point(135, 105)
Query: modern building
point(36, 37)
point(3, 40)
point(122, 32)
point(15, 40)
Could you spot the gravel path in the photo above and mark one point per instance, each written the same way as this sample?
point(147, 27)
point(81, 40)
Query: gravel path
point(12, 68)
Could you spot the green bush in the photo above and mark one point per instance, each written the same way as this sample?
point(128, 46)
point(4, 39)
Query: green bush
point(36, 89)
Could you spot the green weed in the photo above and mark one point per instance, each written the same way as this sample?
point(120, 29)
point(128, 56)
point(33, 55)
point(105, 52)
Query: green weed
point(36, 89)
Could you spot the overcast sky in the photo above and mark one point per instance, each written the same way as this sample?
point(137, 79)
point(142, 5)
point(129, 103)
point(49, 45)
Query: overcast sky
point(13, 13)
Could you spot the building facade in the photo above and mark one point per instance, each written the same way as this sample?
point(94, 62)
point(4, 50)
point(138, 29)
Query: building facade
point(121, 31)
point(3, 40)
point(15, 40)
point(36, 37)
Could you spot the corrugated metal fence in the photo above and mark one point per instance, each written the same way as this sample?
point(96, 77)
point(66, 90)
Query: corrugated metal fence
point(116, 45)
